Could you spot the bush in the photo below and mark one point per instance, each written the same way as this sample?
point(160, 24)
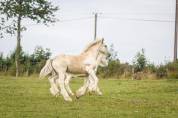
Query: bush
point(161, 71)
point(150, 68)
point(112, 70)
point(29, 64)
point(172, 69)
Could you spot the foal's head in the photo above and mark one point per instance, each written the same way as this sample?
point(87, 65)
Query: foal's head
point(103, 54)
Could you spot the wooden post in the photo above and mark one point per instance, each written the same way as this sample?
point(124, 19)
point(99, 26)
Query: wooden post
point(95, 26)
point(176, 32)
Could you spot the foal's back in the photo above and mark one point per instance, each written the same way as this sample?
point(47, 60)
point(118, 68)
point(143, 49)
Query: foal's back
point(71, 63)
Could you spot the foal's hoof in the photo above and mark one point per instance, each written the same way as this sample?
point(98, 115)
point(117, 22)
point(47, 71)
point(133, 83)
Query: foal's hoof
point(71, 94)
point(78, 94)
point(53, 92)
point(100, 93)
point(91, 92)
point(57, 94)
point(77, 97)
point(68, 99)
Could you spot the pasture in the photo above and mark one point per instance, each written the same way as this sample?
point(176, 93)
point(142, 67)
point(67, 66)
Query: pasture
point(30, 98)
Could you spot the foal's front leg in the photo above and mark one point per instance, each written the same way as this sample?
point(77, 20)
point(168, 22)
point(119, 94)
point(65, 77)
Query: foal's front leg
point(90, 83)
point(90, 87)
point(82, 90)
point(92, 76)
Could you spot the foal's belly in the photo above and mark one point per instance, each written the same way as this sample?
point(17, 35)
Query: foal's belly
point(77, 69)
point(75, 65)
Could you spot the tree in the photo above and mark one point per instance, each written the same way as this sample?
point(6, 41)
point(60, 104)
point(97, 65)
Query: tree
point(39, 58)
point(112, 53)
point(14, 11)
point(140, 61)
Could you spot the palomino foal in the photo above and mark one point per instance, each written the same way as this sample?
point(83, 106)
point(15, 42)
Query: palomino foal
point(88, 82)
point(85, 63)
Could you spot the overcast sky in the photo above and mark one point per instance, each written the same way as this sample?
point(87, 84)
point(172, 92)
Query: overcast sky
point(128, 24)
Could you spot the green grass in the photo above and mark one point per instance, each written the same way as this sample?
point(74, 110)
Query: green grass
point(30, 98)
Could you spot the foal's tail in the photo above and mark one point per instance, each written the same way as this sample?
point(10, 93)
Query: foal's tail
point(47, 69)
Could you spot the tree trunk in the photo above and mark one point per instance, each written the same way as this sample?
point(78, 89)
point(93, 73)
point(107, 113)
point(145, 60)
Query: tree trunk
point(18, 48)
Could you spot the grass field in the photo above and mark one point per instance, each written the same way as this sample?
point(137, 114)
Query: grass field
point(30, 98)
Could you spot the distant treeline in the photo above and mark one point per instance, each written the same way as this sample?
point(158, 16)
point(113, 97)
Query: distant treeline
point(140, 69)
point(29, 64)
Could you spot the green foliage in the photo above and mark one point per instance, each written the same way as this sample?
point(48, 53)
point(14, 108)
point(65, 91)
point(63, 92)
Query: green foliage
point(39, 58)
point(114, 68)
point(29, 64)
point(150, 68)
point(172, 69)
point(14, 11)
point(112, 53)
point(140, 61)
point(1, 61)
point(161, 71)
point(36, 10)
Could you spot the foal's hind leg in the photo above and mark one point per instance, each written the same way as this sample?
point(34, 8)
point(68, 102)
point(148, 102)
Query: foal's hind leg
point(60, 81)
point(54, 89)
point(66, 82)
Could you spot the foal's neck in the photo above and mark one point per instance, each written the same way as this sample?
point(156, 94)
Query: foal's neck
point(93, 52)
